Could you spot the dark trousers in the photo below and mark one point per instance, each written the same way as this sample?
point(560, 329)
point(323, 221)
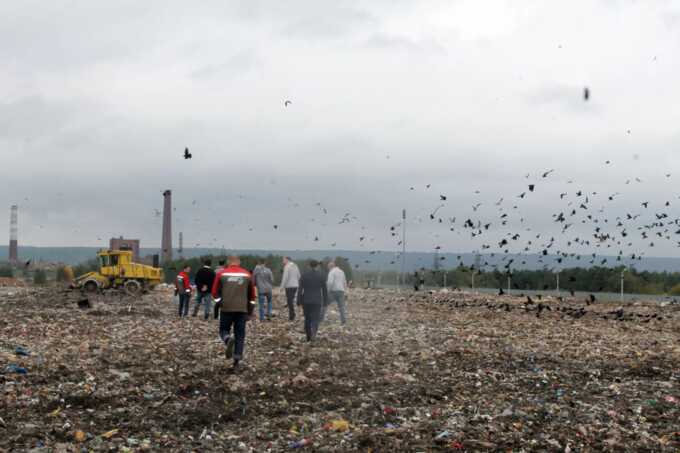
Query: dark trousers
point(238, 320)
point(184, 299)
point(290, 300)
point(312, 318)
point(205, 299)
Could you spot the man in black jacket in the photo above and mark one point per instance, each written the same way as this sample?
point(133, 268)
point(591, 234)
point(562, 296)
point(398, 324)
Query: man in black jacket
point(204, 282)
point(312, 295)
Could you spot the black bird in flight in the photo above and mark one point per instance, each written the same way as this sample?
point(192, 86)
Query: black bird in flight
point(586, 94)
point(187, 154)
point(287, 103)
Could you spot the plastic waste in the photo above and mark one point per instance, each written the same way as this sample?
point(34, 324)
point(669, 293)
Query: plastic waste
point(12, 368)
point(20, 350)
point(300, 443)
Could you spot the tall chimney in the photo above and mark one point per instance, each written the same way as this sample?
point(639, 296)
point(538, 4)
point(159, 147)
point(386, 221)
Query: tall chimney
point(180, 250)
point(166, 241)
point(13, 235)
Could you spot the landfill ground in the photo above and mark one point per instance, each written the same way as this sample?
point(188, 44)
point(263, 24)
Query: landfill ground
point(411, 372)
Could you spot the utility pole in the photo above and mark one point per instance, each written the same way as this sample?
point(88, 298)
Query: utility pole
point(622, 273)
point(509, 283)
point(476, 266)
point(557, 276)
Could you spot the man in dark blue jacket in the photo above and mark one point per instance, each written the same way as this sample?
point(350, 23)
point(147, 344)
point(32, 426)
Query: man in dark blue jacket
point(312, 295)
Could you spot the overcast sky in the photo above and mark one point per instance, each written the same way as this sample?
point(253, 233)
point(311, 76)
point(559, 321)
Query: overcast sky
point(99, 99)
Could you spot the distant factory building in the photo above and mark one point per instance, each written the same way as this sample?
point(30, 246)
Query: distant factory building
point(125, 244)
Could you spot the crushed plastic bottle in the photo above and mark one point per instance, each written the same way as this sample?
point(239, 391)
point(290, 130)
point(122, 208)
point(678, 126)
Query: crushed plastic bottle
point(20, 350)
point(300, 443)
point(12, 368)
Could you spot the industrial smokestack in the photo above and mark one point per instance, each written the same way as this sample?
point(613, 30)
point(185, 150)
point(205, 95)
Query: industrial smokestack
point(13, 235)
point(166, 241)
point(180, 250)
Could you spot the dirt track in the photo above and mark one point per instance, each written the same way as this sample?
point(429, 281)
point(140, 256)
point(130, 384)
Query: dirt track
point(411, 373)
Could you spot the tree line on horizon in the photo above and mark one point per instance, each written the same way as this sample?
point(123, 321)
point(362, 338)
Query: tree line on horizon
point(594, 279)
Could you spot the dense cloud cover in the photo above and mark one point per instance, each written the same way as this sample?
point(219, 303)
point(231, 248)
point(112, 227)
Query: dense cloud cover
point(98, 101)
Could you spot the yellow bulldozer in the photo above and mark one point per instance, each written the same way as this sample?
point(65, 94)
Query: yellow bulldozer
point(117, 270)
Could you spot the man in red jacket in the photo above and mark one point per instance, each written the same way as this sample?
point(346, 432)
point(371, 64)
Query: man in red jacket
point(234, 292)
point(183, 287)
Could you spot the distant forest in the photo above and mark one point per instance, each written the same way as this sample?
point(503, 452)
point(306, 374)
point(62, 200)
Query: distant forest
point(594, 279)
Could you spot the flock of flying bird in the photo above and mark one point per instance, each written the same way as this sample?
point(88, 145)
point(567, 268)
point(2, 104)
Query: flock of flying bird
point(504, 246)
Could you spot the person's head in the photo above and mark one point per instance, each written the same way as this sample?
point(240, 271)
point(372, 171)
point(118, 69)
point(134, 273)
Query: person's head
point(261, 262)
point(186, 267)
point(234, 260)
point(313, 264)
point(331, 264)
point(207, 262)
point(286, 260)
point(221, 262)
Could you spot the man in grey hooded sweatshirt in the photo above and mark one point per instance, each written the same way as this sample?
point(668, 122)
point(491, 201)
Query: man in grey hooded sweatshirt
point(264, 281)
point(290, 282)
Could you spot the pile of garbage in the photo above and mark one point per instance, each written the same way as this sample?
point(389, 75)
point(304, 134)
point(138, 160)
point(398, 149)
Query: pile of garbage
point(451, 371)
point(10, 282)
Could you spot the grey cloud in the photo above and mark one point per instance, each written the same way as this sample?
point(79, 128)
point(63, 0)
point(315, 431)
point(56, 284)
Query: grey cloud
point(568, 97)
point(328, 23)
point(388, 42)
point(238, 64)
point(110, 94)
point(35, 117)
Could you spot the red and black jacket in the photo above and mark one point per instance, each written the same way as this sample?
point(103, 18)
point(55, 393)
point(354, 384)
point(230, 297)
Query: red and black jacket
point(234, 288)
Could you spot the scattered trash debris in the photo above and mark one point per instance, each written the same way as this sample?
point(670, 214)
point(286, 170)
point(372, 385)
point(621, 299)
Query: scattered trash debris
point(447, 371)
point(13, 368)
point(300, 443)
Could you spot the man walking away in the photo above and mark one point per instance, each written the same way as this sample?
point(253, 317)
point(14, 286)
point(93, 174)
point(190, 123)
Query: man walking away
point(183, 288)
point(205, 277)
point(312, 295)
point(234, 292)
point(337, 285)
point(264, 281)
point(290, 282)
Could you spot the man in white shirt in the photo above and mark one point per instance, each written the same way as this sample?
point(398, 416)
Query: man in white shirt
point(290, 282)
point(337, 285)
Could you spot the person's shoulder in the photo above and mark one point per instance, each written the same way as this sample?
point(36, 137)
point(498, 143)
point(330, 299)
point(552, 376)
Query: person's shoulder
point(246, 271)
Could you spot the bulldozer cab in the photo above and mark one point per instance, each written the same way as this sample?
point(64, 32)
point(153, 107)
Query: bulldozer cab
point(112, 263)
